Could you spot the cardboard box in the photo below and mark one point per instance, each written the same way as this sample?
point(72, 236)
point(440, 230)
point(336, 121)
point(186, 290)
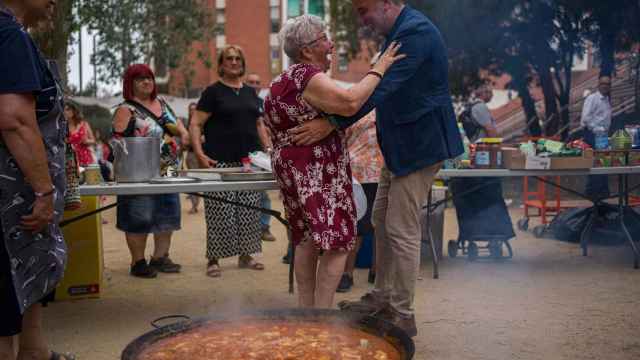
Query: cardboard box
point(574, 162)
point(83, 275)
point(515, 160)
point(633, 158)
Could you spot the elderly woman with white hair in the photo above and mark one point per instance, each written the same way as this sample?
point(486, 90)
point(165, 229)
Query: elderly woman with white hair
point(315, 179)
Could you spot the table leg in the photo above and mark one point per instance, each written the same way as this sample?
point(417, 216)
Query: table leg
point(623, 184)
point(587, 229)
point(291, 263)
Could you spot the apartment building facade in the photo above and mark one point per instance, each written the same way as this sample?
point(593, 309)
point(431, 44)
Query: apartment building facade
point(251, 24)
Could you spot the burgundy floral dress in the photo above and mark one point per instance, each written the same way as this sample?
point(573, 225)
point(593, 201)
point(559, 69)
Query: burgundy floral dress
point(315, 180)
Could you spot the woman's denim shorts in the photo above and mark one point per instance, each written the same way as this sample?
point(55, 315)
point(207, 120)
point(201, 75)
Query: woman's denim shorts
point(146, 214)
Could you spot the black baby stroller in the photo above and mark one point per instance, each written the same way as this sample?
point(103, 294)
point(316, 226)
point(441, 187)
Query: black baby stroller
point(482, 217)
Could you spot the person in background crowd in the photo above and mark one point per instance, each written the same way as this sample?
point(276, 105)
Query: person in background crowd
point(141, 115)
point(103, 154)
point(474, 208)
point(192, 161)
point(80, 135)
point(228, 111)
point(366, 162)
point(481, 114)
point(596, 115)
point(417, 131)
point(315, 179)
point(33, 130)
point(254, 81)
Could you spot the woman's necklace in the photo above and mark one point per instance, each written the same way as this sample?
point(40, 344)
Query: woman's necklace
point(235, 89)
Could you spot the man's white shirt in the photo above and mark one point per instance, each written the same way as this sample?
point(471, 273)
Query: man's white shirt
point(596, 112)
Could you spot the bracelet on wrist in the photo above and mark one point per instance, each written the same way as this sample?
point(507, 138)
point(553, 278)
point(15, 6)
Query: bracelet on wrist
point(45, 194)
point(375, 73)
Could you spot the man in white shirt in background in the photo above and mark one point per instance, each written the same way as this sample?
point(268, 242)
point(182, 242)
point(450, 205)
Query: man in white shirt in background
point(596, 113)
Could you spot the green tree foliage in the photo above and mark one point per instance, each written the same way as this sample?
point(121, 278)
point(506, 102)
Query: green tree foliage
point(534, 41)
point(131, 31)
point(53, 38)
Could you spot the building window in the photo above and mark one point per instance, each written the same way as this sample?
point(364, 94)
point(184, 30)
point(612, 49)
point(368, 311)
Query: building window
point(275, 54)
point(221, 41)
point(316, 7)
point(221, 20)
point(275, 16)
point(276, 60)
point(299, 7)
point(220, 4)
point(295, 8)
point(343, 61)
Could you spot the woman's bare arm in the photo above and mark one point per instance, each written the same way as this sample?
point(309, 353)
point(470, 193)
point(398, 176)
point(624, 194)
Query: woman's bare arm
point(324, 93)
point(121, 119)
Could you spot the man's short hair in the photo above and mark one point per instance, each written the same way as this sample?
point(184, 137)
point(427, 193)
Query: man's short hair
point(602, 77)
point(482, 89)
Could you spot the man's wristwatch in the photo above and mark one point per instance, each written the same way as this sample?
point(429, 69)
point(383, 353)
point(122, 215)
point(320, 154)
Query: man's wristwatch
point(45, 194)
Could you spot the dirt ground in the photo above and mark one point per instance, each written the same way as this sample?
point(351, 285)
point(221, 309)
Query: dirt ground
point(548, 302)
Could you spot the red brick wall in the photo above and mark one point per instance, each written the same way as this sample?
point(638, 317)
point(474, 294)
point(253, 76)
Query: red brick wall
point(247, 25)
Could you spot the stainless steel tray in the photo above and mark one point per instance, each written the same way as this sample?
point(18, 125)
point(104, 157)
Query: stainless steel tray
point(209, 174)
point(174, 180)
point(247, 176)
point(212, 170)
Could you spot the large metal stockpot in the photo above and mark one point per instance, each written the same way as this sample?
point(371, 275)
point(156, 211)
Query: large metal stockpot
point(380, 328)
point(136, 159)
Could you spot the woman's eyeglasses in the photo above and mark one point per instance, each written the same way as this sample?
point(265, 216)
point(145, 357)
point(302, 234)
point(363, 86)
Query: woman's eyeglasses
point(324, 37)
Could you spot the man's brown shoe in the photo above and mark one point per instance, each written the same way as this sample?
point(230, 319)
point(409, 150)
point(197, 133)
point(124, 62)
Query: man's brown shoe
point(367, 305)
point(406, 323)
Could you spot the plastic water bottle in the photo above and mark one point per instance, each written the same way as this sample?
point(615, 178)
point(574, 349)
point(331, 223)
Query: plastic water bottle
point(601, 138)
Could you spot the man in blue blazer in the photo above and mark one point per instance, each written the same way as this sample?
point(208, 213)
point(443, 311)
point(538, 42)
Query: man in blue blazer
point(417, 131)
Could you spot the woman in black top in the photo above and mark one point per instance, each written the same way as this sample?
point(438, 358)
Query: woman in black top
point(33, 129)
point(228, 112)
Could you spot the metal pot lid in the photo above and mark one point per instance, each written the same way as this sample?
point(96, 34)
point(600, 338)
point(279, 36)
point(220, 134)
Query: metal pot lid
point(174, 180)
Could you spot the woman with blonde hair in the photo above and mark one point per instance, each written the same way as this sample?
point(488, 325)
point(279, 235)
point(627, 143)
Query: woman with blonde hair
point(227, 114)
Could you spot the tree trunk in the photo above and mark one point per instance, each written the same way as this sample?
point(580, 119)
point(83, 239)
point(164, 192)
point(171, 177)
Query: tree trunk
point(565, 98)
point(607, 52)
point(552, 121)
point(53, 38)
point(637, 83)
point(529, 107)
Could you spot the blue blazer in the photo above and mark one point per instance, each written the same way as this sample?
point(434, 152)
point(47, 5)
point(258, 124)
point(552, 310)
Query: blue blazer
point(415, 120)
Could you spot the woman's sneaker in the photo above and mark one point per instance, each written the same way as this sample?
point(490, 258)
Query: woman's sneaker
point(143, 270)
point(165, 265)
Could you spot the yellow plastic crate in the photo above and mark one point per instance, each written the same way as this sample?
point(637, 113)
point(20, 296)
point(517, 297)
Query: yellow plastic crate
point(83, 275)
